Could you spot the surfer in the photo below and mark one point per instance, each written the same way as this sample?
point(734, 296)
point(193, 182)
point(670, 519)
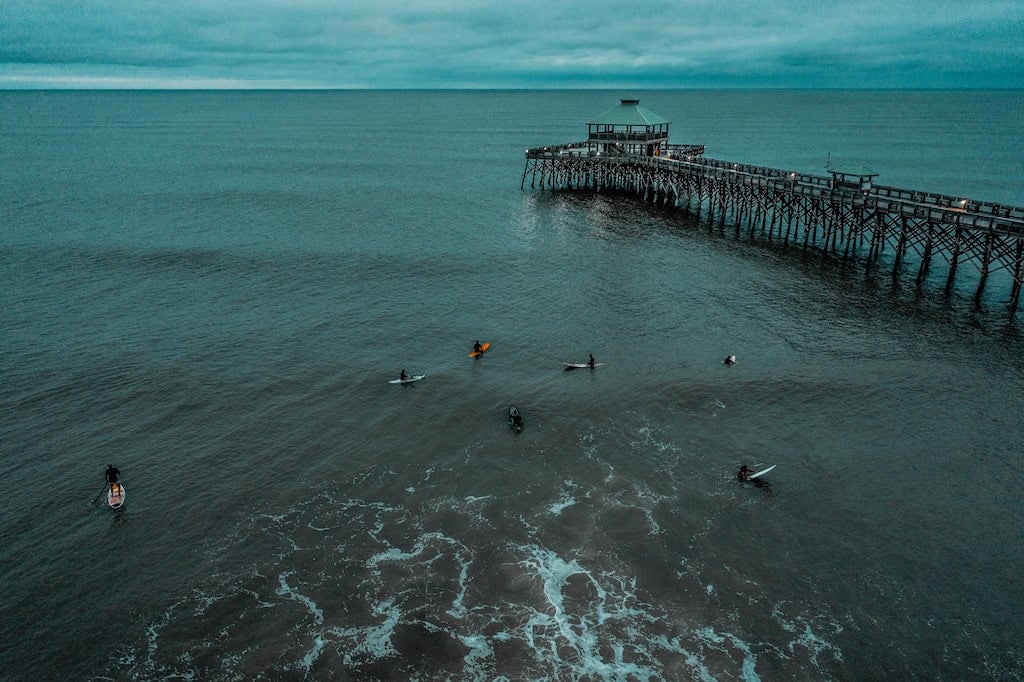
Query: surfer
point(730, 360)
point(515, 418)
point(744, 472)
point(404, 376)
point(590, 362)
point(477, 348)
point(111, 475)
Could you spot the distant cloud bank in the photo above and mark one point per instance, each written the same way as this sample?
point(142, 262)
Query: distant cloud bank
point(531, 44)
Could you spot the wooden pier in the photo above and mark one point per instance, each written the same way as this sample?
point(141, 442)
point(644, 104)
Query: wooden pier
point(843, 214)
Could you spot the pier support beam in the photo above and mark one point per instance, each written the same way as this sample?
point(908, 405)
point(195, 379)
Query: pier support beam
point(953, 261)
point(986, 259)
point(1018, 276)
point(926, 258)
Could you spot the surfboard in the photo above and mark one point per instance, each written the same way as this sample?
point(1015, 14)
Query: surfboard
point(415, 377)
point(761, 473)
point(115, 496)
point(579, 365)
point(483, 349)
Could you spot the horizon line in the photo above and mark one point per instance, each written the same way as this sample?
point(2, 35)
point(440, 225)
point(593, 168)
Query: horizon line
point(250, 88)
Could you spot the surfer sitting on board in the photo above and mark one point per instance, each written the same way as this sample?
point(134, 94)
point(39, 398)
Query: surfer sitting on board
point(404, 376)
point(111, 475)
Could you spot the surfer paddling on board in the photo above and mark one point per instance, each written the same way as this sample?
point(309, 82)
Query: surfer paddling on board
point(730, 360)
point(404, 376)
point(746, 475)
point(111, 475)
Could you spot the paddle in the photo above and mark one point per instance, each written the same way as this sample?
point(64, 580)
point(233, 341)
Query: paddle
point(100, 493)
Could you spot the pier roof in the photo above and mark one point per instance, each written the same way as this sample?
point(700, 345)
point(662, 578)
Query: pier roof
point(852, 170)
point(629, 113)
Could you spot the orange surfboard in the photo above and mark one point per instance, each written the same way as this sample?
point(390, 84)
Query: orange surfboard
point(483, 349)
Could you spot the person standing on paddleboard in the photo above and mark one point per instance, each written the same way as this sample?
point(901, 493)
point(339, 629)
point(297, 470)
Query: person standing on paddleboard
point(111, 475)
point(590, 363)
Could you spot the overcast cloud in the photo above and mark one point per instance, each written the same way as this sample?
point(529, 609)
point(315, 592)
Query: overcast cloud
point(529, 44)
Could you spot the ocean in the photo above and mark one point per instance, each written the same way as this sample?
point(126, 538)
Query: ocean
point(211, 290)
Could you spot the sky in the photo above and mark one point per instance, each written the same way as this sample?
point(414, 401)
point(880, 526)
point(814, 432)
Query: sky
point(511, 44)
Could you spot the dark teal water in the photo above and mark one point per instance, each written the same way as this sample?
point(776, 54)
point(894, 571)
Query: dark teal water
point(211, 290)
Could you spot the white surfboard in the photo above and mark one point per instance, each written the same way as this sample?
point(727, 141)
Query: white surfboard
point(411, 379)
point(580, 365)
point(115, 496)
point(761, 473)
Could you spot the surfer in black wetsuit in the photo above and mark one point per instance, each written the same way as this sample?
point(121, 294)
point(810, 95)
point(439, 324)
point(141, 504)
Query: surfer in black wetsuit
point(111, 475)
point(744, 473)
point(590, 362)
point(477, 348)
point(517, 419)
point(404, 376)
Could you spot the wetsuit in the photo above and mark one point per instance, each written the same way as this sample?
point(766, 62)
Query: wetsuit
point(112, 474)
